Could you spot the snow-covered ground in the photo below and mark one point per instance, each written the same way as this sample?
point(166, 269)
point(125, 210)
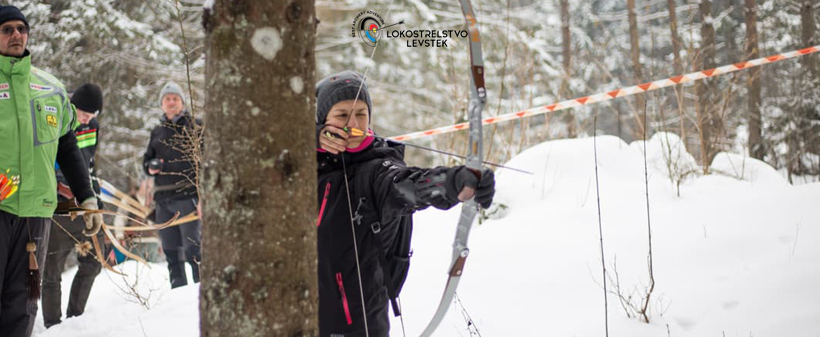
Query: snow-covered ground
point(735, 254)
point(141, 304)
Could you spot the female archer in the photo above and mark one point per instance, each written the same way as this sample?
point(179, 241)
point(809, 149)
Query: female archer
point(367, 195)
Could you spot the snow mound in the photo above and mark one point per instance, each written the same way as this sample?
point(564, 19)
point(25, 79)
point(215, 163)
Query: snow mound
point(747, 169)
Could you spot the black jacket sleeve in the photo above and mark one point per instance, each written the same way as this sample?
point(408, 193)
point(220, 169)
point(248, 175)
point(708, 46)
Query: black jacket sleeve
point(74, 167)
point(150, 153)
point(403, 190)
point(90, 152)
point(90, 155)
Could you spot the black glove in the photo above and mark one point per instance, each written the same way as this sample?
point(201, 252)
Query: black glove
point(483, 182)
point(486, 188)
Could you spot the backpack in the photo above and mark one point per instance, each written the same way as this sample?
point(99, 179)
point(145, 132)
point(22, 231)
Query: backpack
point(395, 260)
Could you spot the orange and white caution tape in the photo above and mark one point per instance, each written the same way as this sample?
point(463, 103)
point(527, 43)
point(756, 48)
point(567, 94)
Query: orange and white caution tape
point(605, 96)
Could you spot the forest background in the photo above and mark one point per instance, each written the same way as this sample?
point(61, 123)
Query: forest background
point(535, 53)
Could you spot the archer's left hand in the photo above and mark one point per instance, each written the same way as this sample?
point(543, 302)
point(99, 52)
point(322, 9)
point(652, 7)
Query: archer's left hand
point(472, 183)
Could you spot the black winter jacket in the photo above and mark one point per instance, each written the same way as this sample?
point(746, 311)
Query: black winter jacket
point(87, 137)
point(175, 179)
point(75, 170)
point(377, 172)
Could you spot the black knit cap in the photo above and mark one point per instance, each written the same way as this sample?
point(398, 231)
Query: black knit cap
point(336, 88)
point(10, 13)
point(88, 98)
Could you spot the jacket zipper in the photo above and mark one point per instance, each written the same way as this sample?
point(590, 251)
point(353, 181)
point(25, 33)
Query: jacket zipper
point(19, 131)
point(324, 203)
point(344, 298)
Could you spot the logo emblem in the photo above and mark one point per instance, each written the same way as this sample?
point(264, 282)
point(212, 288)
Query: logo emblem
point(52, 120)
point(39, 87)
point(5, 95)
point(367, 25)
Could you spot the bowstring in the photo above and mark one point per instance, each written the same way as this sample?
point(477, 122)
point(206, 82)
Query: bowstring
point(347, 184)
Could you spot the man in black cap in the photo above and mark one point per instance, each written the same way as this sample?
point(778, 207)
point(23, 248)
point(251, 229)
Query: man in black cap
point(88, 101)
point(36, 119)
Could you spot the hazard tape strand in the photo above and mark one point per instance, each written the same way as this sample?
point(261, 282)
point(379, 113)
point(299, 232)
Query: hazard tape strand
point(609, 95)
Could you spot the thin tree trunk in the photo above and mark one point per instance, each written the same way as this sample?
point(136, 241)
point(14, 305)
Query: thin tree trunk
point(678, 68)
point(676, 43)
point(808, 112)
point(259, 187)
point(708, 119)
point(808, 36)
point(755, 143)
point(637, 69)
point(566, 41)
point(729, 26)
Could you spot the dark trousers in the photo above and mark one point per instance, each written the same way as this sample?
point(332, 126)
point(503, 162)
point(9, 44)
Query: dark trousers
point(60, 245)
point(180, 243)
point(17, 312)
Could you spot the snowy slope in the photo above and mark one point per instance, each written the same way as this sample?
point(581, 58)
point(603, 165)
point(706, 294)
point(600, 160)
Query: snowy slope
point(736, 254)
point(730, 255)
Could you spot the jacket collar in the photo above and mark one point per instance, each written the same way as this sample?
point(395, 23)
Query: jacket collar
point(11, 65)
point(377, 148)
point(177, 119)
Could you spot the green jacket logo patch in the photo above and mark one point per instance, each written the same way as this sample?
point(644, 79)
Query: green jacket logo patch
point(52, 120)
point(39, 87)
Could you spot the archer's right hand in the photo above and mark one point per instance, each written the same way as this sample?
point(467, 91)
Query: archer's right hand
point(333, 139)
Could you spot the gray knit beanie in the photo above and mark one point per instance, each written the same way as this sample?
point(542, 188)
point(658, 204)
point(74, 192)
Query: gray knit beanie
point(172, 88)
point(336, 88)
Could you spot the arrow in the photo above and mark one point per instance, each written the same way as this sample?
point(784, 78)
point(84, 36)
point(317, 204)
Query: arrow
point(397, 23)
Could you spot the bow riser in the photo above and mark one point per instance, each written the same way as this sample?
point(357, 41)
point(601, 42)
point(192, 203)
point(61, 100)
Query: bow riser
point(469, 209)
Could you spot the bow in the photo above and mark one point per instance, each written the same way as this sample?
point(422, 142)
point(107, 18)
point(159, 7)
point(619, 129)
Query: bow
point(478, 96)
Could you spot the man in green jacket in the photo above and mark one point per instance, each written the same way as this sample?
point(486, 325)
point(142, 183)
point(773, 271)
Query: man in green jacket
point(35, 130)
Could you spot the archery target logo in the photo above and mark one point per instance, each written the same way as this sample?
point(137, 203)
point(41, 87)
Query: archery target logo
point(367, 26)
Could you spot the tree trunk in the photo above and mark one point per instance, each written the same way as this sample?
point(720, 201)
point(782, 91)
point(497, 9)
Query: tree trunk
point(673, 25)
point(635, 55)
point(808, 112)
point(708, 120)
point(808, 36)
point(566, 41)
point(729, 26)
point(259, 186)
point(756, 149)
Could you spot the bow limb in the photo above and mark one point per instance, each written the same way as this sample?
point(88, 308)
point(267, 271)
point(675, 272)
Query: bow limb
point(469, 209)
